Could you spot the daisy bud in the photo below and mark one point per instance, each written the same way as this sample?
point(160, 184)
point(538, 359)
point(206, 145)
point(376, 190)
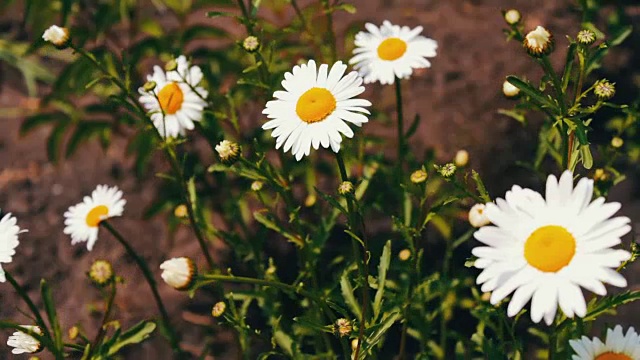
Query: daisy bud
point(447, 170)
point(73, 332)
point(419, 176)
point(477, 216)
point(586, 37)
point(58, 36)
point(257, 185)
point(462, 158)
point(343, 327)
point(346, 187)
point(404, 254)
point(604, 89)
point(23, 343)
point(228, 151)
point(171, 65)
point(600, 175)
point(354, 344)
point(218, 309)
point(509, 90)
point(617, 142)
point(539, 42)
point(250, 44)
point(310, 200)
point(181, 211)
point(101, 272)
point(179, 273)
point(512, 16)
point(149, 86)
point(486, 296)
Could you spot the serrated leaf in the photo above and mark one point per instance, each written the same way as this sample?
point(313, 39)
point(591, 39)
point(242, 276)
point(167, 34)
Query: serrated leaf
point(587, 158)
point(482, 190)
point(348, 294)
point(135, 335)
point(532, 92)
point(332, 201)
point(270, 224)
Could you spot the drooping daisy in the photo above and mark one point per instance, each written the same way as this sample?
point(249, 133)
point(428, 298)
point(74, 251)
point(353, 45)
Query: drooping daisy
point(618, 346)
point(24, 343)
point(82, 220)
point(8, 241)
point(314, 107)
point(177, 100)
point(179, 273)
point(545, 249)
point(390, 51)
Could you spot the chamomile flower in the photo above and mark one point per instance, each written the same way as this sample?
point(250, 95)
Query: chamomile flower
point(390, 51)
point(176, 102)
point(618, 346)
point(545, 249)
point(314, 107)
point(83, 220)
point(8, 241)
point(23, 343)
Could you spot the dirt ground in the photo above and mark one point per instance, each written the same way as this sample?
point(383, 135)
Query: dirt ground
point(457, 99)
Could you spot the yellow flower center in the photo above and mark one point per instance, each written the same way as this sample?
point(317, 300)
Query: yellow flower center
point(171, 98)
point(315, 105)
point(94, 217)
point(550, 248)
point(391, 49)
point(613, 356)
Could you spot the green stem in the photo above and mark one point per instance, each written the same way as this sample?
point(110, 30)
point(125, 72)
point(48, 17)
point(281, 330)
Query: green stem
point(148, 275)
point(362, 266)
point(445, 291)
point(557, 84)
point(400, 123)
point(331, 33)
point(303, 21)
point(107, 313)
point(553, 339)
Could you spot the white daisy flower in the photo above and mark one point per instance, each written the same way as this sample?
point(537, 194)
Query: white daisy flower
point(23, 343)
point(390, 51)
point(314, 107)
point(179, 273)
point(56, 35)
point(618, 346)
point(176, 102)
point(82, 220)
point(546, 249)
point(8, 241)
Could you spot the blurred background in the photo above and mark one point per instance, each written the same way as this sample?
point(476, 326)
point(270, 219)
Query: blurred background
point(458, 100)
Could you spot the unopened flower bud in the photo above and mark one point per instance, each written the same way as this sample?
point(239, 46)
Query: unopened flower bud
point(228, 151)
point(600, 175)
point(419, 176)
point(343, 327)
point(477, 216)
point(509, 90)
point(404, 254)
point(179, 273)
point(171, 65)
point(617, 142)
point(73, 332)
point(512, 16)
point(181, 211)
point(218, 309)
point(354, 344)
point(447, 170)
point(310, 200)
point(149, 86)
point(586, 37)
point(251, 44)
point(257, 185)
point(58, 36)
point(346, 187)
point(101, 272)
point(539, 42)
point(604, 89)
point(23, 343)
point(462, 158)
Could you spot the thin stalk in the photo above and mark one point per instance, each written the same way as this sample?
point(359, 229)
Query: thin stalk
point(444, 292)
point(246, 16)
point(400, 123)
point(262, 282)
point(553, 339)
point(331, 32)
point(107, 313)
point(362, 267)
point(303, 21)
point(174, 163)
point(557, 87)
point(148, 275)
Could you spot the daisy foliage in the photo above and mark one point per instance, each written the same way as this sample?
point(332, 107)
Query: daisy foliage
point(544, 249)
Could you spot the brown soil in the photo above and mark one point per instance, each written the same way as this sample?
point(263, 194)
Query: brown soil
point(457, 100)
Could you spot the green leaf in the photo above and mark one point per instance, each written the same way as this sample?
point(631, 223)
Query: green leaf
point(54, 142)
point(372, 340)
point(50, 308)
point(605, 305)
point(587, 158)
point(332, 201)
point(482, 190)
point(215, 14)
point(270, 224)
point(84, 132)
point(350, 8)
point(348, 295)
point(568, 65)
point(135, 335)
point(620, 36)
point(413, 127)
point(532, 92)
point(514, 114)
point(32, 122)
point(383, 267)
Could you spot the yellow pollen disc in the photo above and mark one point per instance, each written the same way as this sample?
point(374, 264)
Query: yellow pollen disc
point(550, 248)
point(171, 98)
point(613, 356)
point(94, 217)
point(391, 49)
point(315, 105)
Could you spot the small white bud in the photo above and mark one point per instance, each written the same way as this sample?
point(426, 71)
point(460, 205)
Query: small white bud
point(23, 343)
point(509, 90)
point(477, 216)
point(462, 158)
point(178, 273)
point(58, 36)
point(539, 42)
